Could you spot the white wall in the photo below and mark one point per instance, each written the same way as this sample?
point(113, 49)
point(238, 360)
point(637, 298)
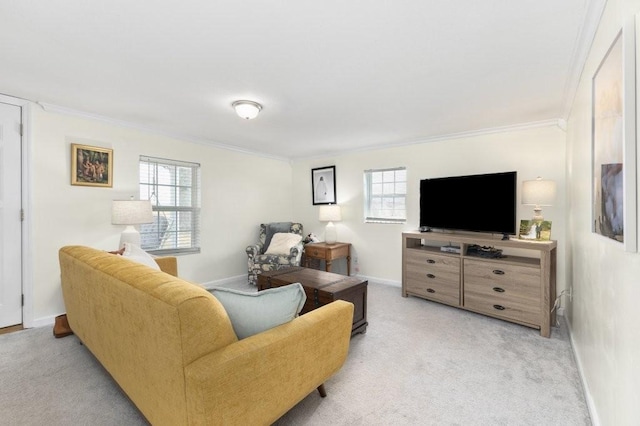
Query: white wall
point(533, 152)
point(239, 191)
point(604, 314)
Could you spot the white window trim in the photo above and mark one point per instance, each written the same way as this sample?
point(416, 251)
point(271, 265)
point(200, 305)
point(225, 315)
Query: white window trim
point(194, 208)
point(368, 218)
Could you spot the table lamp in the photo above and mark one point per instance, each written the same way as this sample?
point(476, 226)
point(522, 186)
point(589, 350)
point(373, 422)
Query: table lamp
point(538, 193)
point(330, 213)
point(130, 213)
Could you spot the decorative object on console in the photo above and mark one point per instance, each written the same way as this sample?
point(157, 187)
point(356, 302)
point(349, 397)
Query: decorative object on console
point(538, 193)
point(131, 212)
point(247, 109)
point(323, 185)
point(330, 213)
point(91, 166)
point(534, 230)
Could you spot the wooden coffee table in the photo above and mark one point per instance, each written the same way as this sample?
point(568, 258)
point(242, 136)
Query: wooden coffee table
point(321, 288)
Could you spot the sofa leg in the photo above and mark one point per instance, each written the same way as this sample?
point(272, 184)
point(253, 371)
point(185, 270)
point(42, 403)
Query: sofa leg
point(322, 391)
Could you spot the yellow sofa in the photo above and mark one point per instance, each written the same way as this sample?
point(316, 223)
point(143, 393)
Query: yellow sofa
point(170, 346)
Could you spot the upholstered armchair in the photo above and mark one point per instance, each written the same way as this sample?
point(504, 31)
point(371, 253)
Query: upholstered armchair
point(288, 255)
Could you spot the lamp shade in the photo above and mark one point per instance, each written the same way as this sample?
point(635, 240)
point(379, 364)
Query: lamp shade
point(538, 192)
point(330, 213)
point(131, 212)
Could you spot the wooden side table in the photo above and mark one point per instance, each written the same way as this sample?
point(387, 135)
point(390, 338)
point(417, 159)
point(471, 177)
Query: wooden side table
point(328, 252)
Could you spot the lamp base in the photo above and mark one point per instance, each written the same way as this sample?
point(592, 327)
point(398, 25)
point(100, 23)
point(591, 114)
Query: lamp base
point(130, 235)
point(537, 214)
point(330, 234)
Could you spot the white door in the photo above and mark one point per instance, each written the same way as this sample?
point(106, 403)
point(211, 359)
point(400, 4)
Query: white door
point(10, 216)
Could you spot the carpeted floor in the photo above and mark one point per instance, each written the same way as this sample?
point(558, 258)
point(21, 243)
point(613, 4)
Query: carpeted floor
point(420, 363)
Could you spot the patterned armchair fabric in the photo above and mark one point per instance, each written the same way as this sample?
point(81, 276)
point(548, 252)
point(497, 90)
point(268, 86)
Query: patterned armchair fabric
point(259, 262)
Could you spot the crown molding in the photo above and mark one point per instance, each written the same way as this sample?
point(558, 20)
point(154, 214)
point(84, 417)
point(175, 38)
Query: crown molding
point(593, 14)
point(149, 129)
point(556, 122)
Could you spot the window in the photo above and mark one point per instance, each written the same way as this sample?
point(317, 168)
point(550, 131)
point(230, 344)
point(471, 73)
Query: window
point(173, 187)
point(385, 194)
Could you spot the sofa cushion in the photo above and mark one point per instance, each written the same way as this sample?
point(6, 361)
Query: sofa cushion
point(253, 312)
point(135, 253)
point(282, 243)
point(273, 228)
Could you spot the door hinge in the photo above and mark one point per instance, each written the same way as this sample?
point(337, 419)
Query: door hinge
point(22, 301)
point(21, 215)
point(21, 129)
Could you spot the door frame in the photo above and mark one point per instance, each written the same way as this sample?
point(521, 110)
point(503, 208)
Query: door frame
point(27, 254)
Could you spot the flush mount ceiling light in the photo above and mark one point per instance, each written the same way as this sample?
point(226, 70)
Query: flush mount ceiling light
point(247, 109)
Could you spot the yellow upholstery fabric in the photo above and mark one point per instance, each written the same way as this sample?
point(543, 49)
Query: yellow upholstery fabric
point(171, 348)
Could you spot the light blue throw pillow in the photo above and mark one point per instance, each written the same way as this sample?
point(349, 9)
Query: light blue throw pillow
point(254, 312)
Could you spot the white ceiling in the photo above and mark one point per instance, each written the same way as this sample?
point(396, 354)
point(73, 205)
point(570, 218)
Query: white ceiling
point(333, 76)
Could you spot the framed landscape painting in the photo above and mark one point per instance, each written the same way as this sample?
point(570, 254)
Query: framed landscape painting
point(91, 166)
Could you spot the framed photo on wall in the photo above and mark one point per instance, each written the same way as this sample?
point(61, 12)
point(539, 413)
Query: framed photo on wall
point(91, 166)
point(614, 142)
point(323, 185)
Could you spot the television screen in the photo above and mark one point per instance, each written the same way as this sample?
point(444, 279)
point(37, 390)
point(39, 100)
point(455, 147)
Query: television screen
point(481, 203)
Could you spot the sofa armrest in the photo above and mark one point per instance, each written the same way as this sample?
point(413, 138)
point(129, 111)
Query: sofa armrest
point(258, 379)
point(168, 264)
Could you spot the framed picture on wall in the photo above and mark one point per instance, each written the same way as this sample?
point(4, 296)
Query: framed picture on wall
point(614, 142)
point(91, 166)
point(323, 185)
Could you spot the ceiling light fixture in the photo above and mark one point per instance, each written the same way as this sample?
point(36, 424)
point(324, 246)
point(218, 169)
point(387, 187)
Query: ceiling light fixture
point(247, 109)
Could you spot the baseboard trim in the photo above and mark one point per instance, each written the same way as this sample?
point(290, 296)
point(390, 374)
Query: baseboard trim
point(215, 283)
point(593, 412)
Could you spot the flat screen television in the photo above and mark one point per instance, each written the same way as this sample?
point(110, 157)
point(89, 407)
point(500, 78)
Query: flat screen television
point(480, 203)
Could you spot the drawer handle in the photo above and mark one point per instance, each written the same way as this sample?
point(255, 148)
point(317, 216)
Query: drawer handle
point(498, 289)
point(498, 272)
point(499, 307)
point(430, 290)
point(430, 276)
point(431, 261)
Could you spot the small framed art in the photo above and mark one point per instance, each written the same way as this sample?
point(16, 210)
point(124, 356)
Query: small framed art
point(533, 230)
point(323, 185)
point(91, 166)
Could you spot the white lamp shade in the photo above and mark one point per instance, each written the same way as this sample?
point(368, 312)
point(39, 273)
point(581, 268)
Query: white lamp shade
point(247, 109)
point(131, 212)
point(330, 213)
point(538, 192)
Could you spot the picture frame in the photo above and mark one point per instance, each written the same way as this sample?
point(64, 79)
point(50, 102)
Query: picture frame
point(535, 231)
point(91, 166)
point(323, 185)
point(613, 135)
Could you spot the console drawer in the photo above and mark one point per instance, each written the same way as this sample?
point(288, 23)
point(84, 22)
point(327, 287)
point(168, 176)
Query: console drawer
point(433, 263)
point(503, 307)
point(438, 290)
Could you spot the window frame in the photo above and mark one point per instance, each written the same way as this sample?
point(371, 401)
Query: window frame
point(369, 197)
point(194, 208)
